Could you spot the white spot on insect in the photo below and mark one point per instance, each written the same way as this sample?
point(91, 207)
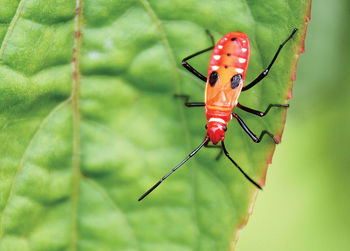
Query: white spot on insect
point(244, 49)
point(217, 120)
point(220, 46)
point(244, 41)
point(239, 70)
point(225, 38)
point(216, 57)
point(242, 60)
point(214, 67)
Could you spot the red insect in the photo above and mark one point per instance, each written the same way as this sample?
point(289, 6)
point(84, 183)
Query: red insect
point(227, 70)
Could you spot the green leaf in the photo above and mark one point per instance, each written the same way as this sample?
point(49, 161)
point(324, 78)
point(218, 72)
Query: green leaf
point(88, 122)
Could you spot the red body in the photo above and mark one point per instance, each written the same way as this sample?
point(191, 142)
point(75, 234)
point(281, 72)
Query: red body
point(229, 59)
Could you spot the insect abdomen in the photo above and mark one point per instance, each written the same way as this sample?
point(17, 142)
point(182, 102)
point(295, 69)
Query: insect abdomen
point(231, 54)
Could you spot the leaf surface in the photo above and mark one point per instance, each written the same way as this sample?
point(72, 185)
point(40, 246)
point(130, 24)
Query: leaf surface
point(88, 122)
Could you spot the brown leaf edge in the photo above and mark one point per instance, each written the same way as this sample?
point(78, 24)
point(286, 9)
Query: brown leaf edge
point(244, 222)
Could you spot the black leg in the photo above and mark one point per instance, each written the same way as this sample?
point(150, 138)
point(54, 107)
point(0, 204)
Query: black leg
point(205, 141)
point(189, 104)
point(260, 114)
point(240, 169)
point(265, 72)
point(251, 134)
point(211, 37)
point(189, 67)
point(220, 153)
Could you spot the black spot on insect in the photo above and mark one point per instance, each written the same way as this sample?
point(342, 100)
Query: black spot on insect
point(233, 39)
point(236, 80)
point(214, 76)
point(226, 66)
point(228, 54)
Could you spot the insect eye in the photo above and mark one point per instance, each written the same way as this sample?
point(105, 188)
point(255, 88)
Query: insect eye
point(214, 76)
point(236, 80)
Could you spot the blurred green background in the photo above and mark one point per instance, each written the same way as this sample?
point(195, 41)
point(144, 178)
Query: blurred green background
point(306, 202)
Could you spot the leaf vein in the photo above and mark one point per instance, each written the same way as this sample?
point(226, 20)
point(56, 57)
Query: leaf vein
point(170, 54)
point(23, 159)
point(106, 196)
point(10, 28)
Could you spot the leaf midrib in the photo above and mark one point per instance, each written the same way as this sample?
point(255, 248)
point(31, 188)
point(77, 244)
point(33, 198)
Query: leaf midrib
point(76, 122)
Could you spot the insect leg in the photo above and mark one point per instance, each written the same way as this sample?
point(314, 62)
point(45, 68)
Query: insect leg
point(189, 104)
point(211, 37)
point(266, 71)
point(205, 141)
point(251, 134)
point(239, 168)
point(189, 67)
point(259, 113)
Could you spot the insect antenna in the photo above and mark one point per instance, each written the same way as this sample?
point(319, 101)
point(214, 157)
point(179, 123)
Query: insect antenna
point(240, 169)
point(205, 141)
